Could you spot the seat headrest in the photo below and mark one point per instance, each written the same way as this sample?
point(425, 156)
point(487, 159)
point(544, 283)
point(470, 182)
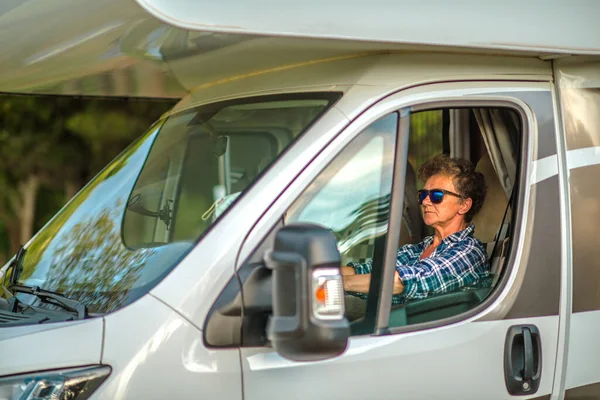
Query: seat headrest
point(489, 218)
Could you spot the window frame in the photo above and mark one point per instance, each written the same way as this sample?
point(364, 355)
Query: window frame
point(517, 201)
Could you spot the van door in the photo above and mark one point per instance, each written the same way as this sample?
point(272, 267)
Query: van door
point(489, 342)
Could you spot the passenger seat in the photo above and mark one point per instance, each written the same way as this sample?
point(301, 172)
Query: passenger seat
point(487, 221)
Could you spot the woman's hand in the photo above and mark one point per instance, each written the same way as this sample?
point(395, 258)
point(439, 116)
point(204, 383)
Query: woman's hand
point(398, 285)
point(345, 270)
point(354, 282)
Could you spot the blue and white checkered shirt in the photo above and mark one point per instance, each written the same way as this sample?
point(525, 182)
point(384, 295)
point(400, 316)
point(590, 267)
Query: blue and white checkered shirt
point(459, 262)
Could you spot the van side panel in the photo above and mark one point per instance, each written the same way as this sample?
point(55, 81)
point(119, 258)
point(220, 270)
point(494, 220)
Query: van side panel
point(540, 291)
point(578, 81)
point(586, 392)
point(585, 200)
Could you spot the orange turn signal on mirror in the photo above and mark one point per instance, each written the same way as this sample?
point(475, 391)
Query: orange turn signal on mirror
point(327, 294)
point(321, 294)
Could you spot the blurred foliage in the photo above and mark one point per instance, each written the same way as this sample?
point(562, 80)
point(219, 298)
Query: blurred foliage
point(51, 146)
point(425, 142)
point(426, 138)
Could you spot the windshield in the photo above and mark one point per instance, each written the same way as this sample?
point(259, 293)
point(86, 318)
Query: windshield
point(131, 224)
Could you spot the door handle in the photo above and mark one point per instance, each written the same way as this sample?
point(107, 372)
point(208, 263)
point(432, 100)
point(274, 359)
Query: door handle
point(528, 354)
point(522, 359)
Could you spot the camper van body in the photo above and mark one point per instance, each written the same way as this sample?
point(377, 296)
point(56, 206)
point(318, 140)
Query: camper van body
point(180, 335)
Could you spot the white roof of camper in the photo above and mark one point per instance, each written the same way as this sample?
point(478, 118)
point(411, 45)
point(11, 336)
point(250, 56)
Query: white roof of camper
point(547, 26)
point(166, 48)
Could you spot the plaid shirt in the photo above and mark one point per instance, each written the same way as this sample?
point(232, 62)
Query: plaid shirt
point(459, 262)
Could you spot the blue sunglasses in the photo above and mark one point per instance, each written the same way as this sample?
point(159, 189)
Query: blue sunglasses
point(436, 196)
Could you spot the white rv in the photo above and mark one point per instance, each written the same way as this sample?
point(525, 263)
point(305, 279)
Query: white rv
point(195, 264)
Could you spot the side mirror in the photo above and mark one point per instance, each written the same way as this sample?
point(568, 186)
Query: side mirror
point(308, 322)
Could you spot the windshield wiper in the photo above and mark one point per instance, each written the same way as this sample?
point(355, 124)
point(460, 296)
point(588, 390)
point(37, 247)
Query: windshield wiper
point(17, 265)
point(53, 298)
point(45, 296)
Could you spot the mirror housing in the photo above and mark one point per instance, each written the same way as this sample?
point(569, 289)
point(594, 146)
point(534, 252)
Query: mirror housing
point(308, 321)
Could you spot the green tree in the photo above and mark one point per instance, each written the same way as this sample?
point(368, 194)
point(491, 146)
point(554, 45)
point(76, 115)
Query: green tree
point(55, 145)
point(27, 130)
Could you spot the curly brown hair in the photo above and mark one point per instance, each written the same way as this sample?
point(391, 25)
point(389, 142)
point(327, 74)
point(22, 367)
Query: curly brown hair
point(468, 182)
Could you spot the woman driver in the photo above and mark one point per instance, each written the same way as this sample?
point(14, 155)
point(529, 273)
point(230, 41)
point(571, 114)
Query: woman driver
point(451, 259)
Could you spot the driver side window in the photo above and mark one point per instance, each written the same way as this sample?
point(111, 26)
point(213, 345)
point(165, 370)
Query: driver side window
point(351, 196)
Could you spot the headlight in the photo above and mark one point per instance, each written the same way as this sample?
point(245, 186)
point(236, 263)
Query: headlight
point(65, 384)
